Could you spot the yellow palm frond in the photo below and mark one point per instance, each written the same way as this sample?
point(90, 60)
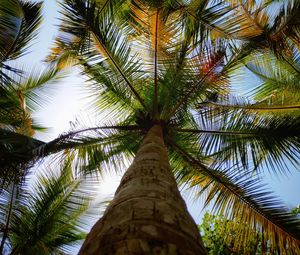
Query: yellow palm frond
point(245, 20)
point(153, 28)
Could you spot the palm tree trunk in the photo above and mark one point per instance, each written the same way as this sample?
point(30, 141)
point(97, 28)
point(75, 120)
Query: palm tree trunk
point(147, 214)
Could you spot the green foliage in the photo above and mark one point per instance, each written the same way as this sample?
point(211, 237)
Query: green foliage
point(21, 90)
point(172, 63)
point(212, 231)
point(218, 235)
point(296, 210)
point(48, 215)
point(19, 21)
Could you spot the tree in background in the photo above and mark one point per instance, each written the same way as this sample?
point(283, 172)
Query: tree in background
point(45, 216)
point(218, 236)
point(22, 91)
point(296, 210)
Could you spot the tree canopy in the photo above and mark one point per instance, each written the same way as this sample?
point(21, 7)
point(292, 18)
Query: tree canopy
point(175, 64)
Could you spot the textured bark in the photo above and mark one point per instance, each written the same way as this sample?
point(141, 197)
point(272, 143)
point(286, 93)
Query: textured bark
point(147, 214)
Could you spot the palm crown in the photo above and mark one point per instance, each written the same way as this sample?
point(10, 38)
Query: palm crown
point(171, 64)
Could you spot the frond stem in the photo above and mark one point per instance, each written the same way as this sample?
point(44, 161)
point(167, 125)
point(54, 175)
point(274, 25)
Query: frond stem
point(42, 148)
point(216, 132)
point(251, 106)
point(118, 69)
point(104, 5)
point(295, 68)
point(72, 134)
point(155, 100)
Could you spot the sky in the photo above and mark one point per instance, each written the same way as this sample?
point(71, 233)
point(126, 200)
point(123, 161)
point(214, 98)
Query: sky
point(69, 101)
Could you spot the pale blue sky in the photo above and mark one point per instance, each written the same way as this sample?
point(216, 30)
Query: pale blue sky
point(68, 102)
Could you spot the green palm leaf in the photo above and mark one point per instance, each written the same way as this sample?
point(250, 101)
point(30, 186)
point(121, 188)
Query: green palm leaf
point(98, 149)
point(54, 215)
point(244, 199)
point(249, 140)
point(108, 48)
point(18, 25)
point(279, 79)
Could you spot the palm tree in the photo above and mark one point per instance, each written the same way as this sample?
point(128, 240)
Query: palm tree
point(162, 72)
point(46, 216)
point(22, 91)
point(18, 26)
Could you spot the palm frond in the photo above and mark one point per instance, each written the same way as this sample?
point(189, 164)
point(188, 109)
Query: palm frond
point(208, 77)
point(153, 25)
point(18, 25)
point(108, 95)
point(229, 19)
point(285, 27)
point(247, 139)
point(244, 199)
point(108, 48)
point(36, 87)
point(20, 99)
point(93, 146)
point(52, 217)
point(279, 80)
point(96, 149)
point(235, 103)
point(15, 154)
point(10, 112)
point(12, 197)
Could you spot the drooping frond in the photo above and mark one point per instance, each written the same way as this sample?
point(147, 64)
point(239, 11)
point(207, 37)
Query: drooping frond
point(249, 139)
point(243, 198)
point(51, 217)
point(279, 79)
point(285, 27)
point(18, 25)
point(95, 149)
